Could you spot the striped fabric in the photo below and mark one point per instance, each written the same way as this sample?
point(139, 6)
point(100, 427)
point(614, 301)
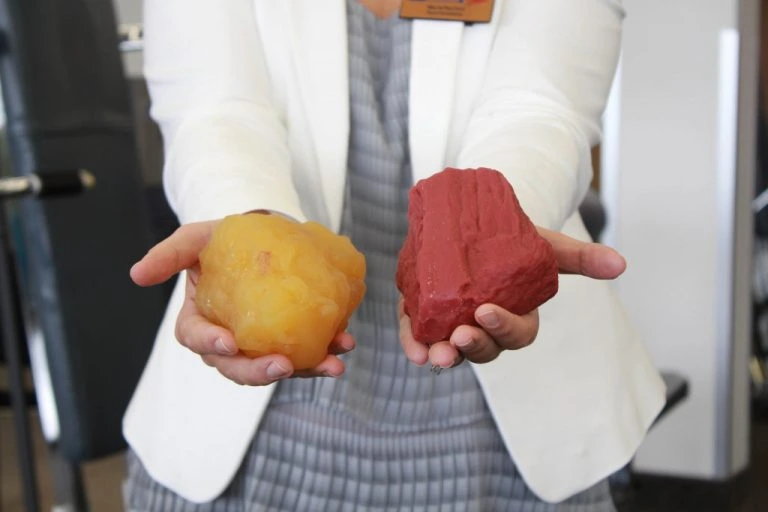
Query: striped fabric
point(388, 436)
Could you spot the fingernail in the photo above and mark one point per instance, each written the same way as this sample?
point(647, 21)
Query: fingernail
point(463, 341)
point(348, 345)
point(275, 371)
point(223, 348)
point(489, 319)
point(619, 264)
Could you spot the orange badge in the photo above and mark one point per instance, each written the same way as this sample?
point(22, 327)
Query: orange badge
point(468, 11)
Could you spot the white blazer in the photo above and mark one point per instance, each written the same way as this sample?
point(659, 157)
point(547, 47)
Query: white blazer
point(252, 100)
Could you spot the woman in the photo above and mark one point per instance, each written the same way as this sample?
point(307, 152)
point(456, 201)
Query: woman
point(330, 111)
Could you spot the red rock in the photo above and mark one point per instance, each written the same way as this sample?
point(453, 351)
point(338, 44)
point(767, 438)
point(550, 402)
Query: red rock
point(470, 243)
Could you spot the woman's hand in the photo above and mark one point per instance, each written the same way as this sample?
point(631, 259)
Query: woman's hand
point(502, 330)
point(215, 344)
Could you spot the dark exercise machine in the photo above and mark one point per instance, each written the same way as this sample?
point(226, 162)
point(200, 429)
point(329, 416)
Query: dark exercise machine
point(88, 328)
point(11, 314)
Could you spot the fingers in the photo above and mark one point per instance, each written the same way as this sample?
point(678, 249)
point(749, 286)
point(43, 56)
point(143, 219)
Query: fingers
point(509, 331)
point(174, 254)
point(218, 349)
point(416, 352)
point(251, 372)
point(441, 355)
point(197, 333)
point(265, 370)
point(500, 330)
point(475, 344)
point(331, 366)
point(202, 337)
point(588, 259)
point(444, 355)
point(342, 343)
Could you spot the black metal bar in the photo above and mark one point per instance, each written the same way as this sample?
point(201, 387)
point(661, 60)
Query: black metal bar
point(29, 397)
point(677, 391)
point(10, 333)
point(68, 485)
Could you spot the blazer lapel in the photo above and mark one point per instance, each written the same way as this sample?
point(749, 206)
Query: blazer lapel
point(319, 38)
point(434, 58)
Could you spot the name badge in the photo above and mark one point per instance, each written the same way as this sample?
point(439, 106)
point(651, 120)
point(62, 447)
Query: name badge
point(468, 11)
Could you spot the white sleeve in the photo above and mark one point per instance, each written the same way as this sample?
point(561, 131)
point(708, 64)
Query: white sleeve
point(225, 142)
point(539, 110)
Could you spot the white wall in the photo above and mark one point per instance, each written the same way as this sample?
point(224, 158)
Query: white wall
point(670, 181)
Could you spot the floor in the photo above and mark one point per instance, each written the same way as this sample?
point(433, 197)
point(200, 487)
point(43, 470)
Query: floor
point(746, 493)
point(103, 478)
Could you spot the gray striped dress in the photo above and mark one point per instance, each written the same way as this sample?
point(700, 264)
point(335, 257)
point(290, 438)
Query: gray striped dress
point(388, 435)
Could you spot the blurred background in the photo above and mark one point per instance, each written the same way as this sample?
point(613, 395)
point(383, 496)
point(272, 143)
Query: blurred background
point(680, 188)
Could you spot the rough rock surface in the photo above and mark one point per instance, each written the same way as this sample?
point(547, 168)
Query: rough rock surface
point(470, 243)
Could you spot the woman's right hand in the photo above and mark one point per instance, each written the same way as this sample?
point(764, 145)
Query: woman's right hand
point(215, 344)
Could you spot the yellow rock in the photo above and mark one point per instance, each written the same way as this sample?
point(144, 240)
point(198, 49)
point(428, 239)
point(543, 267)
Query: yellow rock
point(281, 287)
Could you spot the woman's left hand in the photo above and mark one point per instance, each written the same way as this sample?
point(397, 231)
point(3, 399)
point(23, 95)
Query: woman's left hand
point(502, 330)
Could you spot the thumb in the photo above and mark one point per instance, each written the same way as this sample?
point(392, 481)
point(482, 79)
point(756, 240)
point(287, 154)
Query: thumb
point(178, 252)
point(589, 259)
